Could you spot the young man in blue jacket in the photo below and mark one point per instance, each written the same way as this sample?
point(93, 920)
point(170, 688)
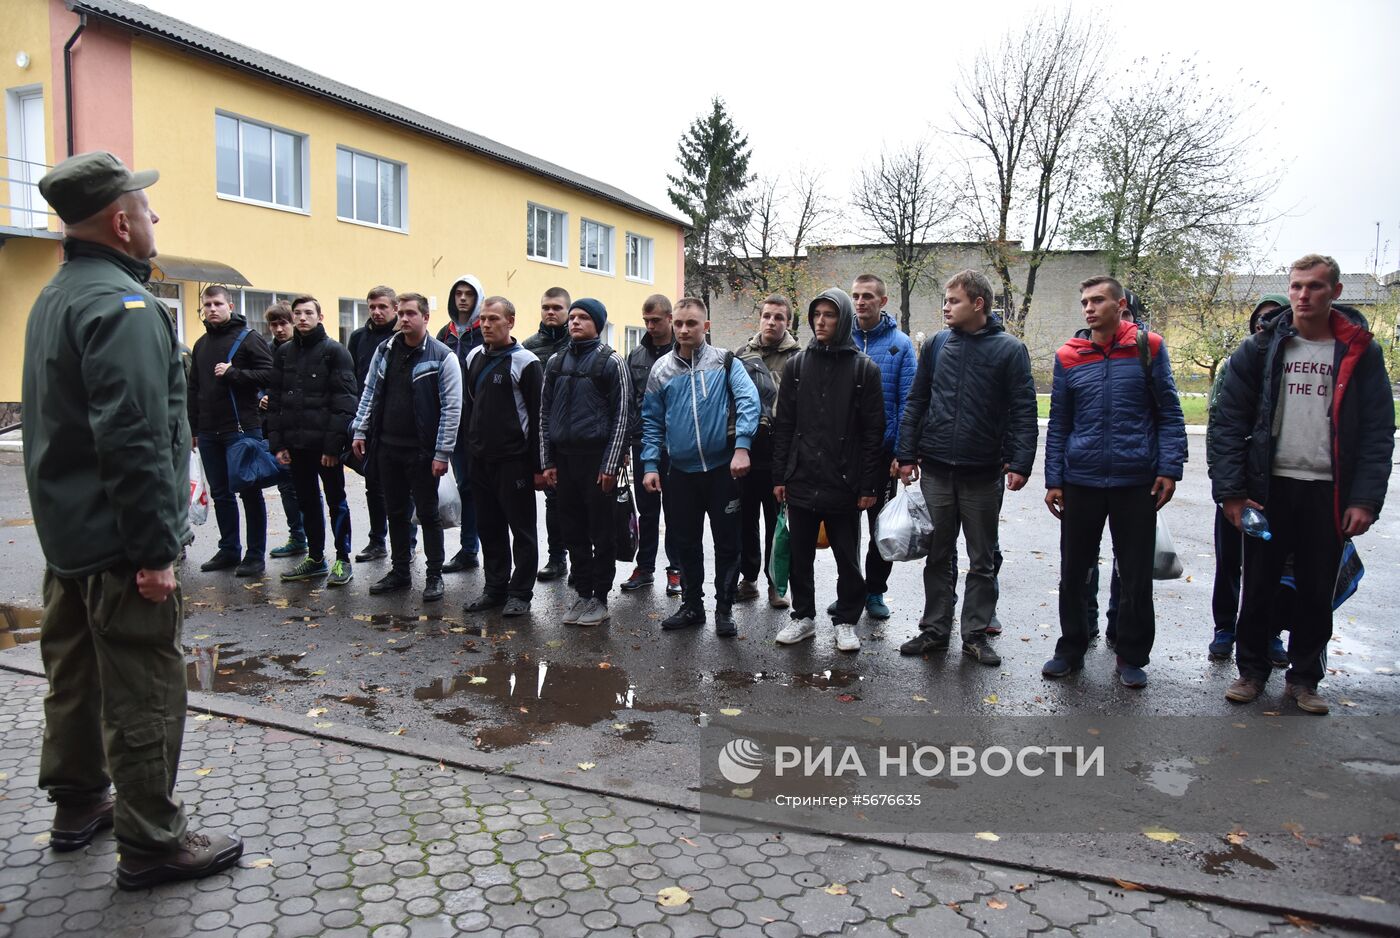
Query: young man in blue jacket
point(686, 411)
point(1114, 451)
point(879, 337)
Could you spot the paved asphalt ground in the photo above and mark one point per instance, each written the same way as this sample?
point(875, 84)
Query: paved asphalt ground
point(405, 703)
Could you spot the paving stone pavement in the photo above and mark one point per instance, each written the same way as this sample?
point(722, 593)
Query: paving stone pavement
point(350, 841)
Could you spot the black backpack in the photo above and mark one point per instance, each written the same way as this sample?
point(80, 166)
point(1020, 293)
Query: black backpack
point(597, 371)
point(762, 379)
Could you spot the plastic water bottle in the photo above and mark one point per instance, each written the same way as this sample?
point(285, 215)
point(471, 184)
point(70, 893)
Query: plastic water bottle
point(1253, 523)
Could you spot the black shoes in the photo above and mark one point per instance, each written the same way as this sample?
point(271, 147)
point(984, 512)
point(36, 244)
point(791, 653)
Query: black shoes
point(638, 579)
point(485, 602)
point(373, 551)
point(461, 561)
point(391, 582)
point(553, 570)
point(250, 567)
point(223, 560)
point(75, 826)
point(724, 624)
point(673, 582)
point(515, 607)
point(980, 650)
point(432, 590)
point(197, 856)
point(685, 618)
point(923, 643)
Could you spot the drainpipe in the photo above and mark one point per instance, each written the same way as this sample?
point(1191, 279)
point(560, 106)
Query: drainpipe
point(68, 77)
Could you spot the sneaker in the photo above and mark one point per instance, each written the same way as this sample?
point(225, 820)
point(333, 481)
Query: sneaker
point(724, 623)
point(638, 579)
point(1244, 690)
point(462, 560)
point(775, 601)
point(373, 551)
point(575, 610)
point(994, 627)
point(485, 602)
point(683, 618)
point(223, 560)
point(797, 630)
point(923, 643)
point(432, 588)
point(553, 570)
point(516, 607)
point(1307, 698)
point(595, 613)
point(1278, 655)
point(250, 567)
point(391, 582)
point(1060, 667)
point(846, 637)
point(1131, 675)
point(197, 855)
point(341, 573)
point(875, 605)
point(293, 548)
point(673, 581)
point(1222, 646)
point(308, 569)
point(978, 649)
point(747, 589)
point(75, 826)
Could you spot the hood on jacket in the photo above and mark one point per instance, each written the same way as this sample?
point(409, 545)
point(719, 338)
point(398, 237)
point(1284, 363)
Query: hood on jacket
point(786, 343)
point(845, 321)
point(1344, 320)
point(470, 323)
point(1084, 338)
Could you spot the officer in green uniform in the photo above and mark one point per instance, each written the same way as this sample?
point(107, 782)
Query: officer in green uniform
point(106, 456)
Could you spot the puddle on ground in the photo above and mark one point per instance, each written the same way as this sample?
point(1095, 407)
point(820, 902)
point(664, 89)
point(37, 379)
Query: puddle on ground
point(1217, 863)
point(211, 668)
point(392, 622)
point(1373, 767)
point(18, 625)
point(369, 705)
point(821, 680)
point(1171, 777)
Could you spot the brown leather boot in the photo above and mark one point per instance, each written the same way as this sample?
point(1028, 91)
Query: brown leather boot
point(75, 826)
point(198, 855)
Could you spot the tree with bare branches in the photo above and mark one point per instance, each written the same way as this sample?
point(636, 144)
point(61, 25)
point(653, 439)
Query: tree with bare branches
point(783, 221)
point(904, 201)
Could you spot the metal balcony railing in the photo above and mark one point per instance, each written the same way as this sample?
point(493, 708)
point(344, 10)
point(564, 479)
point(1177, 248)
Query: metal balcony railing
point(23, 207)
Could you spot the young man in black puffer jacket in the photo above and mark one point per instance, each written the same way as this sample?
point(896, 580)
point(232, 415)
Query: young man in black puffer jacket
point(311, 402)
point(552, 339)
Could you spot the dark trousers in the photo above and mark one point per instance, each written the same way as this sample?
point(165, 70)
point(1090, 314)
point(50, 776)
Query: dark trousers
point(287, 488)
point(877, 568)
point(1132, 522)
point(649, 518)
point(504, 493)
point(307, 472)
point(408, 482)
point(115, 704)
point(1301, 519)
point(462, 472)
point(970, 504)
point(1229, 560)
point(758, 506)
point(213, 452)
point(690, 496)
point(589, 515)
point(378, 509)
point(554, 526)
point(843, 534)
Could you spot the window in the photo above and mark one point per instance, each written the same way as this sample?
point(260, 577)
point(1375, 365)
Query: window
point(607, 336)
point(633, 338)
point(259, 163)
point(638, 258)
point(368, 189)
point(353, 314)
point(253, 303)
point(169, 294)
point(595, 247)
point(544, 234)
point(24, 117)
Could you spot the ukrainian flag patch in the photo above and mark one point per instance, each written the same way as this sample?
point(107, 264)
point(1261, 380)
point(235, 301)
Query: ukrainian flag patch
point(134, 302)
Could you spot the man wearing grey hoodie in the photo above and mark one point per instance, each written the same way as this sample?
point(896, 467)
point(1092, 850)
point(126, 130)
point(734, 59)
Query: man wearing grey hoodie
point(462, 334)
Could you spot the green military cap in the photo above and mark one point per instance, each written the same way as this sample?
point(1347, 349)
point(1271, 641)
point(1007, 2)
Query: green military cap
point(84, 184)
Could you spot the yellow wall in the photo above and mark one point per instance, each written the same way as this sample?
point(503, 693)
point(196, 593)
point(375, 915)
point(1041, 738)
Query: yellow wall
point(467, 214)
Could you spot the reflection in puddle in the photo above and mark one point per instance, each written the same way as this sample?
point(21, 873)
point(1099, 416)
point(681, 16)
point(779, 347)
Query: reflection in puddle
point(209, 669)
point(821, 680)
point(18, 625)
point(1217, 862)
point(1373, 766)
point(1171, 777)
point(368, 704)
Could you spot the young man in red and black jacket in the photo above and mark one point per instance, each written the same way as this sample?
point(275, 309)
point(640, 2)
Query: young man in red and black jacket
point(1303, 430)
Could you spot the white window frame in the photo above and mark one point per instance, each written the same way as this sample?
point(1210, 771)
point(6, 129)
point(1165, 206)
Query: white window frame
point(563, 219)
point(176, 303)
point(401, 228)
point(359, 316)
point(647, 258)
point(632, 338)
point(611, 269)
point(305, 169)
point(254, 317)
point(23, 172)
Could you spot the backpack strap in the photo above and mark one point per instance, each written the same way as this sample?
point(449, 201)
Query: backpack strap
point(237, 421)
point(488, 368)
point(1144, 350)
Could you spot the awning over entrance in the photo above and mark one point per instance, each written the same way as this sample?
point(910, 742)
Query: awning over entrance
point(175, 267)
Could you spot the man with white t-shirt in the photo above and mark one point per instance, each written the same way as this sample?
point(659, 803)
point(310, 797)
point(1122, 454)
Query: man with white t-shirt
point(1304, 430)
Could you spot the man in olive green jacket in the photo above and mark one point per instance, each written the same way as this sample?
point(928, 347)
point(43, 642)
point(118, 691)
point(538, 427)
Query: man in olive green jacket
point(106, 456)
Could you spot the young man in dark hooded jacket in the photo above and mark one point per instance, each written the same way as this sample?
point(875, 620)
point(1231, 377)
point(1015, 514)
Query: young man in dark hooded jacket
point(828, 462)
point(551, 339)
point(279, 322)
point(660, 338)
point(462, 334)
point(383, 319)
point(312, 400)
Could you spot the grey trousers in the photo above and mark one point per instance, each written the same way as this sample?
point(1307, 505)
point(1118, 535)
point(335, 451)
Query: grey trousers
point(971, 504)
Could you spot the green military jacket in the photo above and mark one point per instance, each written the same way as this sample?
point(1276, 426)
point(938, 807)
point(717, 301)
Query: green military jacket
point(106, 435)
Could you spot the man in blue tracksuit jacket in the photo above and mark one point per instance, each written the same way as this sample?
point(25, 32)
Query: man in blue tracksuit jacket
point(693, 393)
point(878, 336)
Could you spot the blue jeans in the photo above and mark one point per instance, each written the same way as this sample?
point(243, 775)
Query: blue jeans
point(213, 452)
point(461, 470)
point(290, 506)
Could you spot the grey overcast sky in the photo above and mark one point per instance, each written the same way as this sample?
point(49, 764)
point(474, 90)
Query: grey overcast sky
point(607, 88)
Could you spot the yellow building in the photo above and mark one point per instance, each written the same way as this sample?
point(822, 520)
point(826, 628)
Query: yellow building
point(276, 181)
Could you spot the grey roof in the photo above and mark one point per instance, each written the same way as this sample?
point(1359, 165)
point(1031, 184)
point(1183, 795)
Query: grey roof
point(143, 19)
point(1357, 289)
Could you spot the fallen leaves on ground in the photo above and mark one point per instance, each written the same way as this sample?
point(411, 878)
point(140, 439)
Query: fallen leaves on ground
point(730, 711)
point(1302, 924)
point(586, 766)
point(896, 893)
point(42, 840)
point(261, 863)
point(990, 699)
point(200, 638)
point(845, 698)
point(918, 699)
point(996, 904)
point(316, 711)
point(203, 772)
point(604, 665)
point(1376, 899)
point(205, 716)
point(836, 889)
point(1128, 885)
point(400, 731)
point(986, 835)
point(672, 897)
point(477, 679)
point(323, 725)
point(1020, 887)
point(1236, 837)
point(1161, 835)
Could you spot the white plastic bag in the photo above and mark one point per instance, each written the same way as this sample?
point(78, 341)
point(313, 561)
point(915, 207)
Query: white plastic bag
point(904, 530)
point(449, 502)
point(199, 490)
point(1166, 562)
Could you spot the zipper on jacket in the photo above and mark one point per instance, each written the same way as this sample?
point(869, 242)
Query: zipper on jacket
point(695, 414)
